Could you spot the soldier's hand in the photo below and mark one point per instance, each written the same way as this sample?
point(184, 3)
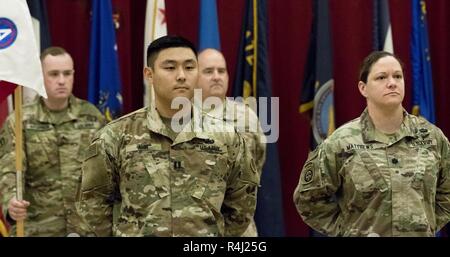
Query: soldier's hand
point(17, 209)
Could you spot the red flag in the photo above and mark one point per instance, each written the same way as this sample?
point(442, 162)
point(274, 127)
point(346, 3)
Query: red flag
point(6, 89)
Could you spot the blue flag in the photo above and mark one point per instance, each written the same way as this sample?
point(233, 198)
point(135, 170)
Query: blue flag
point(209, 36)
point(104, 74)
point(317, 93)
point(382, 31)
point(423, 96)
point(253, 79)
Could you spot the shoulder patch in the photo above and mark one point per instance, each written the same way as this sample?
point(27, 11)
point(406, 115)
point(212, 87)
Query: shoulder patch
point(308, 174)
point(91, 151)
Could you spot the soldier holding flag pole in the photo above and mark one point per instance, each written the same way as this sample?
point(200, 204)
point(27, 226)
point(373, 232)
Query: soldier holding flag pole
point(53, 132)
point(17, 51)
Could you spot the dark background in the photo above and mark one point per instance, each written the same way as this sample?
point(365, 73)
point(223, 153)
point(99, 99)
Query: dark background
point(289, 28)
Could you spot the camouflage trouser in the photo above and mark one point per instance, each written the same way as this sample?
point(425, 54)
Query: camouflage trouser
point(251, 230)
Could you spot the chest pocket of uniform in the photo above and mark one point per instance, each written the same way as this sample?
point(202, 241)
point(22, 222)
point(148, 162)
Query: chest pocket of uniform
point(142, 179)
point(426, 171)
point(208, 166)
point(40, 147)
point(366, 177)
point(210, 171)
point(86, 130)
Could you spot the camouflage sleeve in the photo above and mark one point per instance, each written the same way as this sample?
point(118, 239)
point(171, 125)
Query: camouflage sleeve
point(314, 196)
point(256, 148)
point(443, 187)
point(239, 202)
point(260, 140)
point(95, 196)
point(7, 163)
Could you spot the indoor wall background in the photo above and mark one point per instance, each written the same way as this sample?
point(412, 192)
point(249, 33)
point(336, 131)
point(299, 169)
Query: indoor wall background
point(289, 28)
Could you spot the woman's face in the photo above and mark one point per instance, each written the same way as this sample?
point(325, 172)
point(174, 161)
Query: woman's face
point(385, 87)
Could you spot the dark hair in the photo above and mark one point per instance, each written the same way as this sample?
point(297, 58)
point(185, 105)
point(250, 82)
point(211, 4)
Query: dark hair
point(166, 42)
point(370, 60)
point(53, 51)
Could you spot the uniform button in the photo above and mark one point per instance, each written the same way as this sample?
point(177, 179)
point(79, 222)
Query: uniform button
point(394, 160)
point(396, 172)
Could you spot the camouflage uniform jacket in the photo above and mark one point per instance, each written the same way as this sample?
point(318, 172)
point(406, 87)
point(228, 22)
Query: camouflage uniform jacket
point(53, 152)
point(200, 184)
point(359, 183)
point(245, 120)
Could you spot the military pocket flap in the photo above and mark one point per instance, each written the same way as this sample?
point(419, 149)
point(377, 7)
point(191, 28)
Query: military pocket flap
point(198, 190)
point(251, 174)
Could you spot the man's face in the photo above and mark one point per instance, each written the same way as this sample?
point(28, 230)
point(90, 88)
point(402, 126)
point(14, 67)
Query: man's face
point(385, 85)
point(58, 76)
point(175, 74)
point(213, 75)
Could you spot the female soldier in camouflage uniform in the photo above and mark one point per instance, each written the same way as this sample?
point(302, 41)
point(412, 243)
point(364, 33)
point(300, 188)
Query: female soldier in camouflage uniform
point(385, 173)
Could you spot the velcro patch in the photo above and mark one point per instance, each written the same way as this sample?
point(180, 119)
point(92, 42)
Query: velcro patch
point(87, 125)
point(38, 126)
point(91, 151)
point(142, 147)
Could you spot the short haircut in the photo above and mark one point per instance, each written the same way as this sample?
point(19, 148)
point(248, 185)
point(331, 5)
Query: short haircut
point(370, 60)
point(166, 42)
point(53, 51)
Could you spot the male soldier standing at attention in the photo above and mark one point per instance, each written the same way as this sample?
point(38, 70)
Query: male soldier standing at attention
point(56, 132)
point(167, 182)
point(213, 81)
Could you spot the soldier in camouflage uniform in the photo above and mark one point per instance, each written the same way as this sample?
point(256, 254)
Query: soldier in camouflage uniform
point(56, 132)
point(166, 182)
point(213, 81)
point(386, 173)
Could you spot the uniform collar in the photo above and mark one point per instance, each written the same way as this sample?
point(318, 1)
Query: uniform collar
point(43, 113)
point(156, 125)
point(368, 130)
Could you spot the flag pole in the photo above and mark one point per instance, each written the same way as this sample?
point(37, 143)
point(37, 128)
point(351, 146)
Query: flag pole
point(18, 146)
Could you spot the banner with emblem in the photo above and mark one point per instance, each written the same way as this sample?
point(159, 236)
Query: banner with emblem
point(19, 56)
point(253, 80)
point(38, 11)
point(317, 93)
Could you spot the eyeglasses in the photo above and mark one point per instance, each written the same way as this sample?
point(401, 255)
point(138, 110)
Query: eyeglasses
point(57, 73)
